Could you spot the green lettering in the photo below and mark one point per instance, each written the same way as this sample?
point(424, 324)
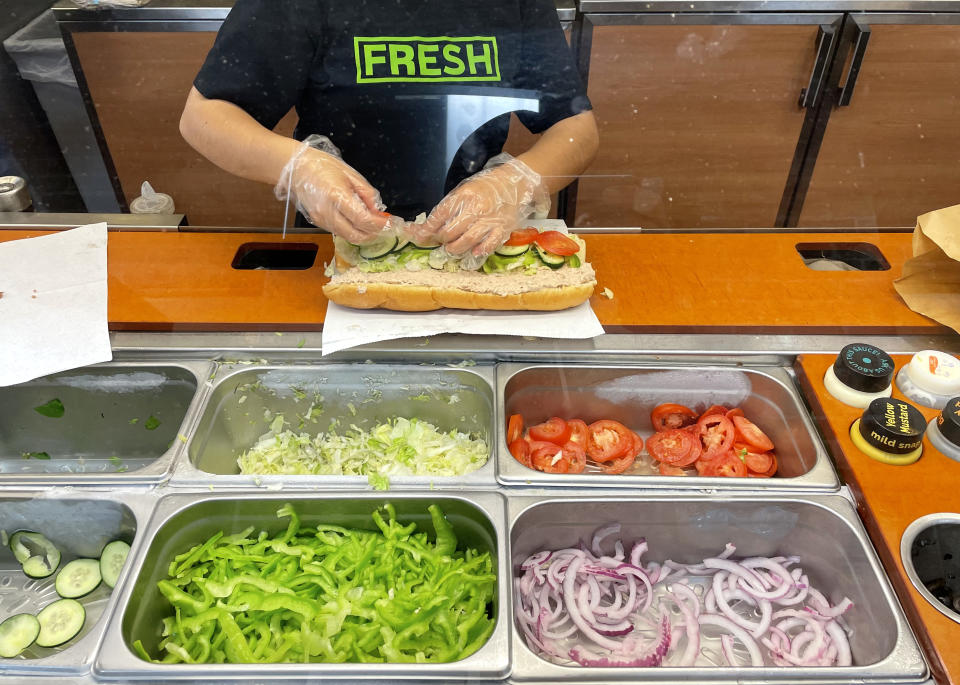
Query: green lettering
point(451, 56)
point(474, 60)
point(370, 60)
point(401, 56)
point(426, 59)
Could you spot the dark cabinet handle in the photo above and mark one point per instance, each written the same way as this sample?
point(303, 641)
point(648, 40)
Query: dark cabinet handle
point(825, 38)
point(859, 49)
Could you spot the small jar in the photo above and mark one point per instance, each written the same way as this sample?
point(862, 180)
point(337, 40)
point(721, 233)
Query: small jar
point(890, 431)
point(860, 374)
point(930, 379)
point(944, 431)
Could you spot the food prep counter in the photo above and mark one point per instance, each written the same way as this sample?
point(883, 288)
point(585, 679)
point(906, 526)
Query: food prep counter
point(147, 447)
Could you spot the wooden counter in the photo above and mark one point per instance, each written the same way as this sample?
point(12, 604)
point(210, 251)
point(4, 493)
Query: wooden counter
point(889, 499)
point(661, 283)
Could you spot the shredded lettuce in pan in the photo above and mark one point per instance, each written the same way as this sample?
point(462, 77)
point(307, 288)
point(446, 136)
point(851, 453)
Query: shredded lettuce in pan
point(399, 447)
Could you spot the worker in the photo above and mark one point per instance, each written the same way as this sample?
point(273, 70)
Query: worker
point(368, 80)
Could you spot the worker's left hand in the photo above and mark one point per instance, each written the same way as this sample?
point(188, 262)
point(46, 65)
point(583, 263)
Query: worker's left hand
point(477, 216)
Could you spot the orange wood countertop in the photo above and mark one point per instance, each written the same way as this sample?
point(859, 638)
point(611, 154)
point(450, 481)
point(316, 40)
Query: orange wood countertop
point(720, 282)
point(889, 499)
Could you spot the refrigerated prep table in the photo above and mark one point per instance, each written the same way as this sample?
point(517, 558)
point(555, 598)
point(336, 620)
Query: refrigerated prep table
point(193, 335)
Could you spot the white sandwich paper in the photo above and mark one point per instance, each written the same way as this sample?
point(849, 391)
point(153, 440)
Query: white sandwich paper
point(53, 303)
point(344, 327)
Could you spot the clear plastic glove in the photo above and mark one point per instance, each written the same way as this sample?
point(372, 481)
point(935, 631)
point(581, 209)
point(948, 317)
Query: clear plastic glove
point(477, 216)
point(331, 194)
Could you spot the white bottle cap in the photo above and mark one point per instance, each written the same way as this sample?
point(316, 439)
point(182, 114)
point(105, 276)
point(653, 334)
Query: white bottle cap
point(935, 372)
point(152, 202)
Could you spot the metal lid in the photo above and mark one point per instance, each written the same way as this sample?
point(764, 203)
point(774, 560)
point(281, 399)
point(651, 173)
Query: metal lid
point(14, 196)
point(893, 426)
point(949, 421)
point(864, 367)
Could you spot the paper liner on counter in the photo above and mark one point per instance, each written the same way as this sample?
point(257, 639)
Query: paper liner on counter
point(930, 284)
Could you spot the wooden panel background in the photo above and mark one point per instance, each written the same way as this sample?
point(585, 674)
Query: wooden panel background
point(698, 124)
point(894, 153)
point(139, 83)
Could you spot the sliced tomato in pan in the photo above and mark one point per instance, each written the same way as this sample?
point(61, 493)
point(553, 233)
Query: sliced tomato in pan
point(716, 435)
point(553, 430)
point(748, 432)
point(608, 440)
point(514, 428)
point(675, 447)
point(668, 416)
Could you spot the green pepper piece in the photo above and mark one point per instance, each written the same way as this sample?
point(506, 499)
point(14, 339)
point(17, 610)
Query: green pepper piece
point(180, 599)
point(446, 537)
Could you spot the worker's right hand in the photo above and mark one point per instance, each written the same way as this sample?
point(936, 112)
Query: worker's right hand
point(333, 195)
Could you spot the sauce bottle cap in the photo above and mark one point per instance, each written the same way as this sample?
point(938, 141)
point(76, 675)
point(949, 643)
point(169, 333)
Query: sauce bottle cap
point(949, 421)
point(864, 367)
point(935, 372)
point(893, 426)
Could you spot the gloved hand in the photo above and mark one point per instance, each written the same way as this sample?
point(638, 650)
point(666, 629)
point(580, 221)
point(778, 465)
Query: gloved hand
point(477, 216)
point(330, 193)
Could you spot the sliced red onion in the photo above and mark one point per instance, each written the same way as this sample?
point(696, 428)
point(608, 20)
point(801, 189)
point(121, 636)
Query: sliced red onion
point(536, 559)
point(726, 642)
point(736, 569)
point(690, 622)
point(638, 550)
point(724, 623)
point(839, 640)
point(569, 598)
point(652, 657)
point(601, 535)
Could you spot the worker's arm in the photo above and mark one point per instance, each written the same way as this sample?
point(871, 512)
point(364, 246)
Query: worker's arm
point(330, 193)
point(564, 151)
point(478, 215)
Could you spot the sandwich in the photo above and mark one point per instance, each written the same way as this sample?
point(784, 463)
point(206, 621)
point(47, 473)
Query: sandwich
point(532, 270)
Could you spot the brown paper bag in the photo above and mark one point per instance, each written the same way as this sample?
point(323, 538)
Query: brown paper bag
point(930, 284)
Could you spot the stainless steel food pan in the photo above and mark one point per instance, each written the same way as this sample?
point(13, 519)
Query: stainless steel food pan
point(120, 423)
point(246, 399)
point(930, 554)
point(79, 525)
point(182, 521)
point(628, 394)
point(823, 530)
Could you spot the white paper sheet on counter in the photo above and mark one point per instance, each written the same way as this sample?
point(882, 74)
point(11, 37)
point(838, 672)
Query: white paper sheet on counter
point(53, 303)
point(344, 327)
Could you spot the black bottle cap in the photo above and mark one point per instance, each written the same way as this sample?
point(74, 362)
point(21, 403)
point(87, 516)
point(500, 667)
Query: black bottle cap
point(864, 368)
point(949, 421)
point(893, 426)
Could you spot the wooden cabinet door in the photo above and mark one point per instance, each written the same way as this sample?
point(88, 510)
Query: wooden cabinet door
point(699, 117)
point(893, 153)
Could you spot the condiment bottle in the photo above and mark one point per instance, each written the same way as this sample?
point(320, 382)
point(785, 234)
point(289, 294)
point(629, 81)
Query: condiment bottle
point(890, 431)
point(944, 431)
point(930, 379)
point(860, 374)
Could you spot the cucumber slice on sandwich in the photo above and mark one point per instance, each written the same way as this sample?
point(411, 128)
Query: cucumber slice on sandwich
point(554, 261)
point(512, 250)
point(17, 633)
point(60, 622)
point(380, 247)
point(78, 578)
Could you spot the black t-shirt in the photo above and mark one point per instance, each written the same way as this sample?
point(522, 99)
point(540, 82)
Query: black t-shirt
point(413, 92)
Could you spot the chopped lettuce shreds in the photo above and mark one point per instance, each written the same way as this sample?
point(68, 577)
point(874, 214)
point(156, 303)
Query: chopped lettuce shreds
point(277, 425)
point(378, 482)
point(399, 447)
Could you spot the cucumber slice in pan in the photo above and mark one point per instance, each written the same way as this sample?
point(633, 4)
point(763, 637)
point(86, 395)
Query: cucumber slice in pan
point(26, 544)
point(111, 561)
point(78, 578)
point(17, 633)
point(38, 567)
point(60, 622)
